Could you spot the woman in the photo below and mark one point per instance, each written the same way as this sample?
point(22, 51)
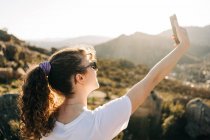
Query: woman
point(72, 73)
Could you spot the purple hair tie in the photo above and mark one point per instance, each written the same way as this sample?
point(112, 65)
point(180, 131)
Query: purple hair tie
point(45, 66)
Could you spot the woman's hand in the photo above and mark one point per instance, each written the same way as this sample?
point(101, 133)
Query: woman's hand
point(182, 35)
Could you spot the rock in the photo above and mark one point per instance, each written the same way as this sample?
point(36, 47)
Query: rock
point(20, 72)
point(2, 60)
point(6, 74)
point(11, 64)
point(2, 46)
point(198, 118)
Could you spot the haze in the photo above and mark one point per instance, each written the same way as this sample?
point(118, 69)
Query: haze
point(41, 19)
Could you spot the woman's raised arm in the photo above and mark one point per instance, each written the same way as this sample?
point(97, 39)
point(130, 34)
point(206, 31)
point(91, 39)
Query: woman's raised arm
point(139, 92)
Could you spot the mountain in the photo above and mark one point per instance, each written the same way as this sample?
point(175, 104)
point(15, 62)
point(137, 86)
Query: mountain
point(197, 35)
point(199, 39)
point(59, 43)
point(135, 47)
point(142, 48)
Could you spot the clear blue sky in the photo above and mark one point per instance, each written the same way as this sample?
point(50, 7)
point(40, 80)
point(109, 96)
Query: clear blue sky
point(39, 19)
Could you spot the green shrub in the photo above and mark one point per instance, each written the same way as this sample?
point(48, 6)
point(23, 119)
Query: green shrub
point(4, 36)
point(10, 52)
point(173, 121)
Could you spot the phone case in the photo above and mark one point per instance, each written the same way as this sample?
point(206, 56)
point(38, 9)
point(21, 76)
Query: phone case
point(172, 19)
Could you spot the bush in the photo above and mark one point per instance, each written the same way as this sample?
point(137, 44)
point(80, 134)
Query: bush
point(4, 36)
point(9, 117)
point(174, 121)
point(10, 52)
point(143, 128)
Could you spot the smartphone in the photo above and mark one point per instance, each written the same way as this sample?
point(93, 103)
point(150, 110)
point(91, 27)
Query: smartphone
point(172, 19)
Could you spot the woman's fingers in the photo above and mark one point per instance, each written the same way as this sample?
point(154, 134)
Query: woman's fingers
point(183, 36)
point(173, 37)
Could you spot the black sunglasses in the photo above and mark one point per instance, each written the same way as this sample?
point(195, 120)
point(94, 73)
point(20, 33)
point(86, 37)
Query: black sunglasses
point(92, 65)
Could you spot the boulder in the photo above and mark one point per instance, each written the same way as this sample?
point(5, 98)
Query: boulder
point(11, 64)
point(198, 118)
point(2, 60)
point(2, 46)
point(20, 72)
point(6, 74)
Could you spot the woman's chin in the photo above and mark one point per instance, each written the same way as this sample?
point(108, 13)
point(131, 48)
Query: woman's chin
point(96, 87)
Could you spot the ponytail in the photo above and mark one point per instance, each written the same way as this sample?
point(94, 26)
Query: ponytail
point(37, 116)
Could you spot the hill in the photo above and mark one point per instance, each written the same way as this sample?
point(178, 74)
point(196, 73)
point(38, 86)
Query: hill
point(147, 49)
point(139, 48)
point(199, 38)
point(16, 56)
point(60, 43)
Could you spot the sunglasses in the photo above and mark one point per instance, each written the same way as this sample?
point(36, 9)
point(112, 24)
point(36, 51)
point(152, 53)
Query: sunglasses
point(92, 65)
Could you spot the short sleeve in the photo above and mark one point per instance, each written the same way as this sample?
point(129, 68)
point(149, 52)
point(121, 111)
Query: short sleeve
point(113, 117)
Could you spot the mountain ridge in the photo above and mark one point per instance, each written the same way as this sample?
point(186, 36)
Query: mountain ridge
point(142, 48)
point(68, 42)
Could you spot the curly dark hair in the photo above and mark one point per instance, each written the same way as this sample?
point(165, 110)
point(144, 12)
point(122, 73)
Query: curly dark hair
point(38, 108)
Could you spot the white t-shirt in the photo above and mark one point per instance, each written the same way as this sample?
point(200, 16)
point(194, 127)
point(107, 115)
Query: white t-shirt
point(103, 123)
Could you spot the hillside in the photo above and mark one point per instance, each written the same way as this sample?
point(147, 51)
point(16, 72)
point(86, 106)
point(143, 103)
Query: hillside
point(199, 38)
point(198, 35)
point(139, 48)
point(147, 49)
point(16, 56)
point(60, 43)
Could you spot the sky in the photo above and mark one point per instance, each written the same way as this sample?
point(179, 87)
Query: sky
point(45, 19)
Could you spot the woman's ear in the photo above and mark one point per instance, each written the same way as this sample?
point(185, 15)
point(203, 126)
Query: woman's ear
point(80, 78)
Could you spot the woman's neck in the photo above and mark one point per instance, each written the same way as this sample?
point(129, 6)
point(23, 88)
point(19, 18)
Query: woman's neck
point(75, 101)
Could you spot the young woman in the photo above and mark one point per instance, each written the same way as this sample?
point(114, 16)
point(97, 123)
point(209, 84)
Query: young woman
point(72, 74)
